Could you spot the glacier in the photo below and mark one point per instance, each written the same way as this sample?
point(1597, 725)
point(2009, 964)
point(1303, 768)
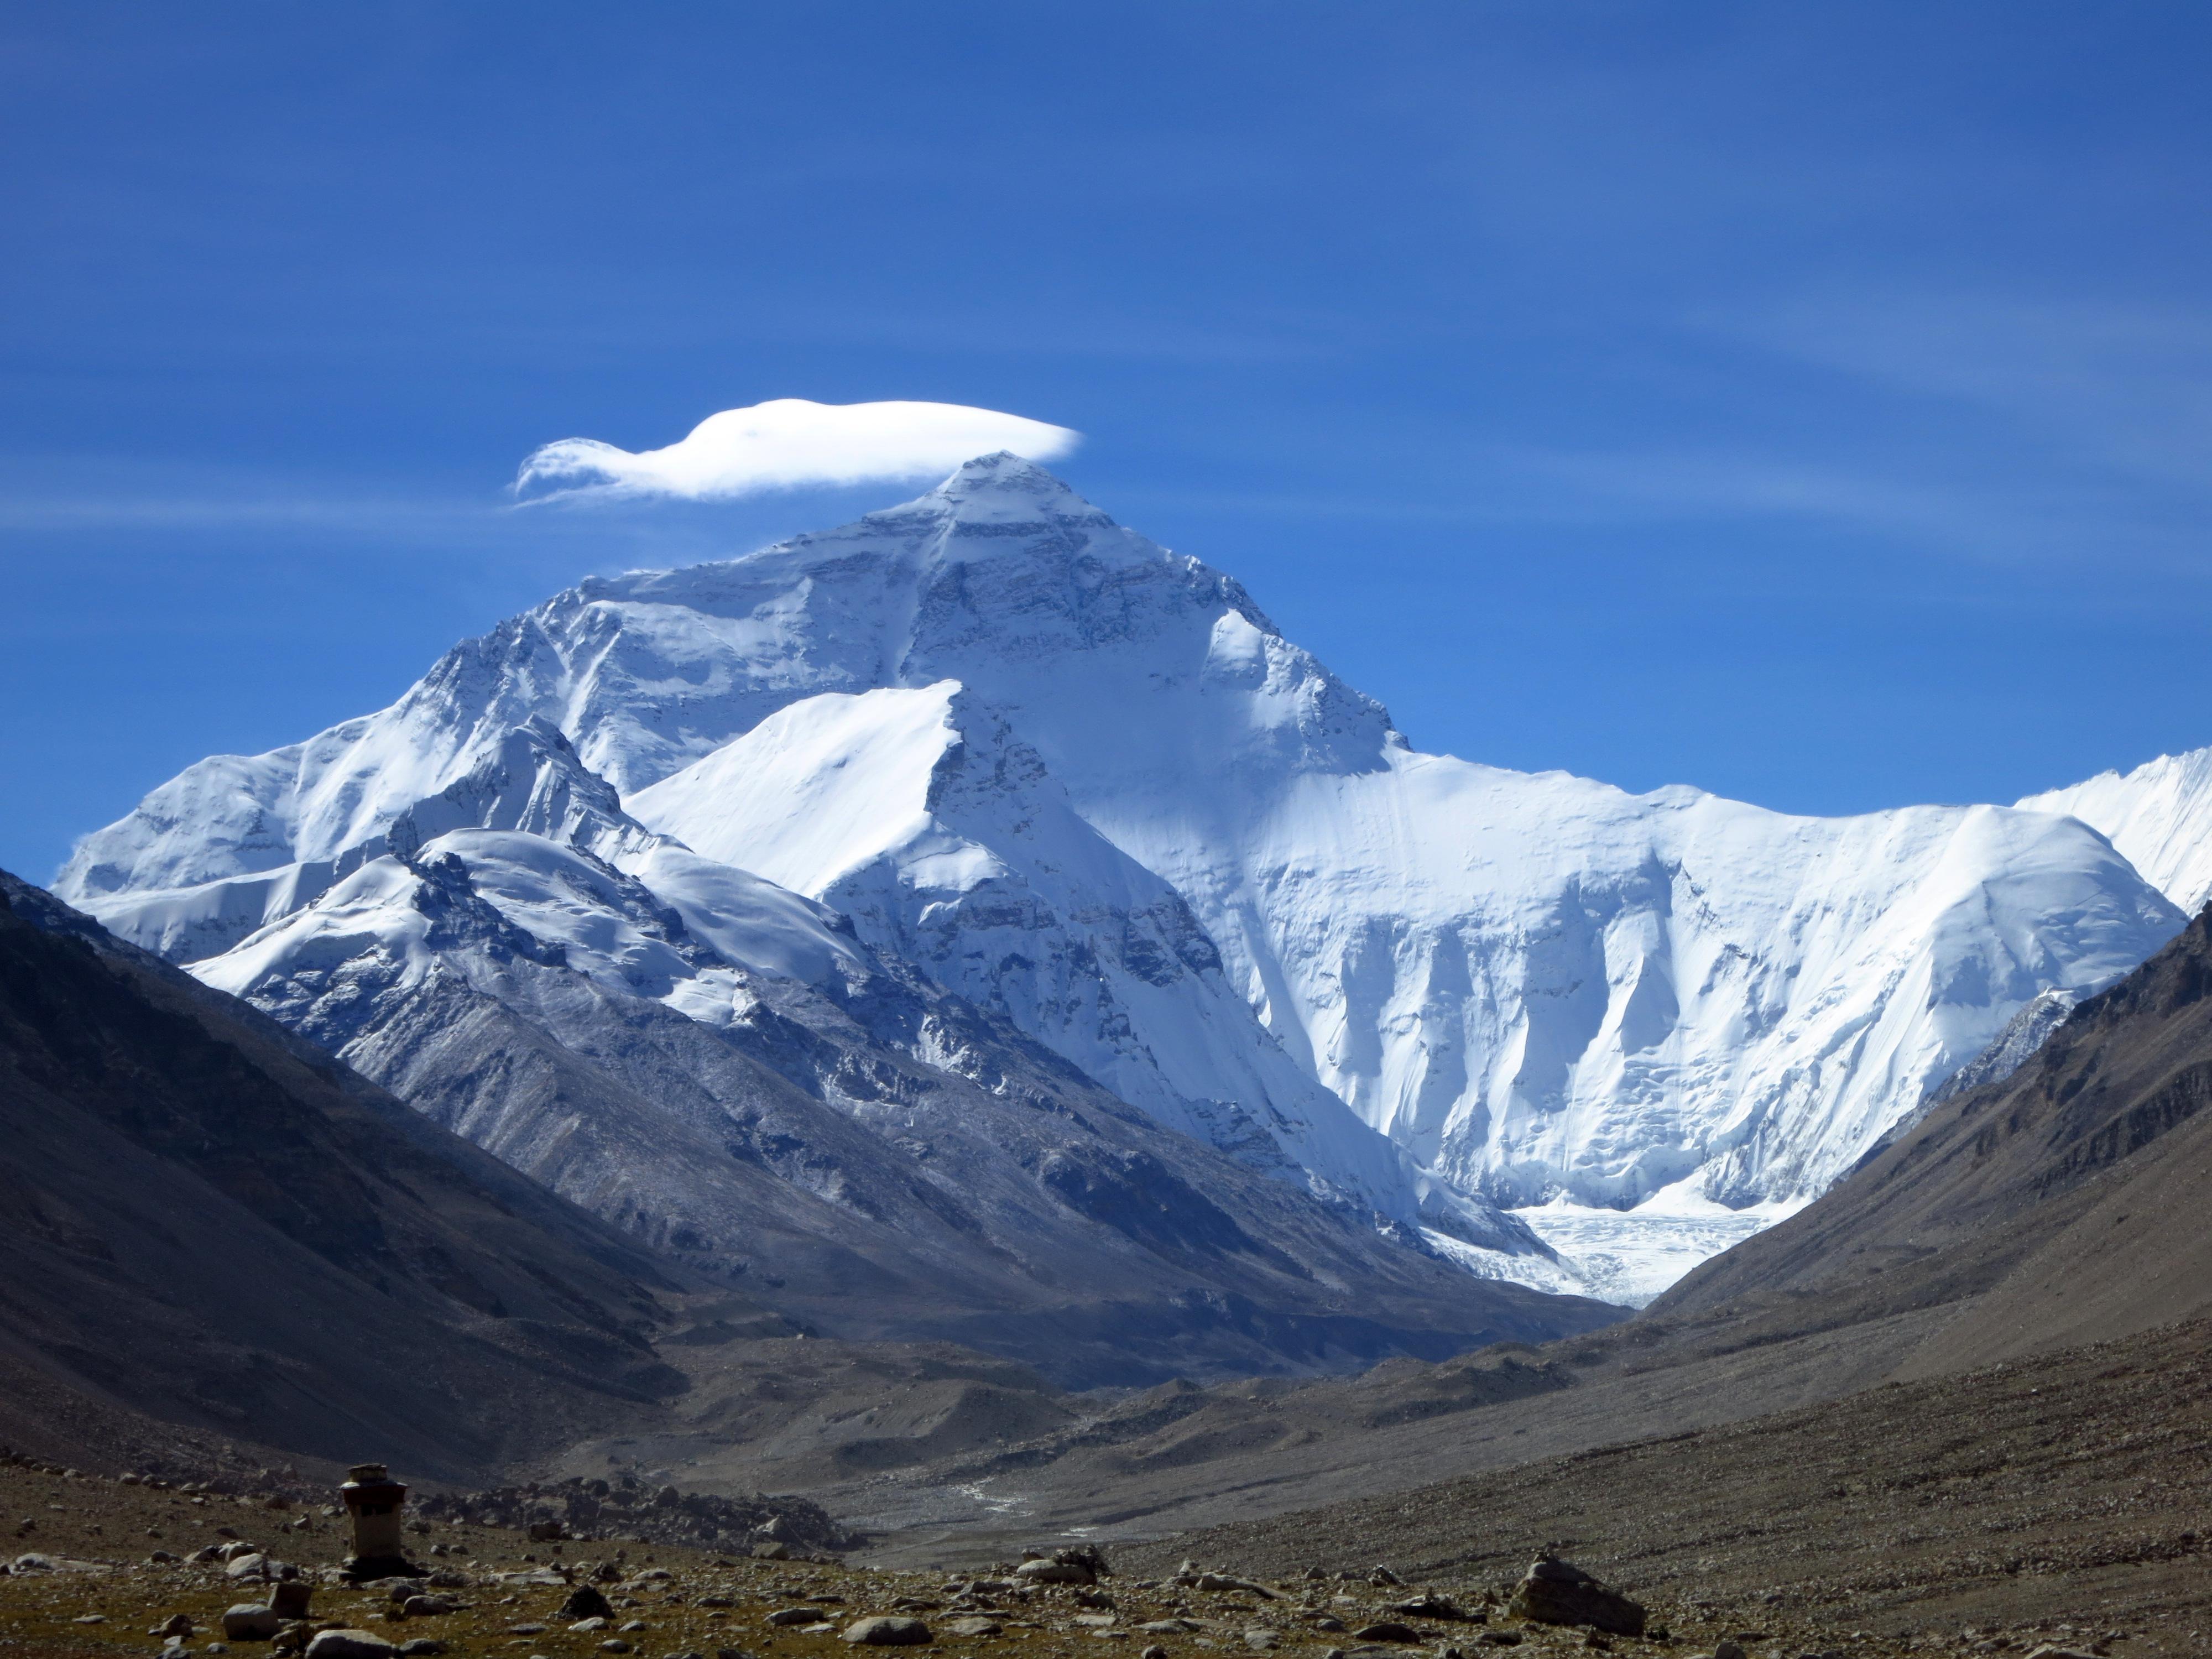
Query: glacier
point(1085, 783)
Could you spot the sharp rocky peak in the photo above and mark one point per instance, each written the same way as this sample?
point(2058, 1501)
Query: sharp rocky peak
point(1004, 480)
point(1006, 499)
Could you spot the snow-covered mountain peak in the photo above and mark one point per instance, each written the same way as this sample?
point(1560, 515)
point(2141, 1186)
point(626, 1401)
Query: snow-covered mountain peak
point(1090, 785)
point(1010, 488)
point(531, 780)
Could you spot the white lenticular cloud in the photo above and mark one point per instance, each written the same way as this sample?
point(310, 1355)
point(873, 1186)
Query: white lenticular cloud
point(791, 443)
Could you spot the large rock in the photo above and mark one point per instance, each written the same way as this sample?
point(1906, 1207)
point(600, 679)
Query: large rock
point(1561, 1593)
point(249, 1621)
point(1055, 1572)
point(291, 1598)
point(350, 1644)
point(887, 1631)
point(586, 1601)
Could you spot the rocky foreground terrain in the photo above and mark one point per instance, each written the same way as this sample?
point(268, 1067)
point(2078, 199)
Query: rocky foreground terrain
point(106, 1579)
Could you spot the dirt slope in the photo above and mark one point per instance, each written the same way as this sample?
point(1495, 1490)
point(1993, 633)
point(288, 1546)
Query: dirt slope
point(2074, 1486)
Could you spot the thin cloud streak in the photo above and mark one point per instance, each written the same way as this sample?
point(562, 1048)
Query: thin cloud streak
point(2116, 384)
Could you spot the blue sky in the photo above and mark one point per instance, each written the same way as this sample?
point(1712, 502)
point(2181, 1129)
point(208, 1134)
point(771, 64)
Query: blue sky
point(1809, 403)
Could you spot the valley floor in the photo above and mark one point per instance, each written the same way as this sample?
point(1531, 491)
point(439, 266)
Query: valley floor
point(2062, 1500)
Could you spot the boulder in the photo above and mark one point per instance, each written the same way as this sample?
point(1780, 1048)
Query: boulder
point(771, 1550)
point(1386, 1630)
point(586, 1601)
point(290, 1597)
point(251, 1621)
point(1055, 1572)
point(791, 1616)
point(350, 1644)
point(1223, 1581)
point(1556, 1592)
point(1430, 1606)
point(975, 1624)
point(428, 1607)
point(887, 1630)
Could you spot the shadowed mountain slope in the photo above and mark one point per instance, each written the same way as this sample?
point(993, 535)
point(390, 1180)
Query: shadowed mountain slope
point(214, 1225)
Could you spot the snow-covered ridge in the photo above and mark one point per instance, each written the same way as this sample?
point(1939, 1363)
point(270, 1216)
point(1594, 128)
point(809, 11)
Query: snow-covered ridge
point(2159, 816)
point(1087, 782)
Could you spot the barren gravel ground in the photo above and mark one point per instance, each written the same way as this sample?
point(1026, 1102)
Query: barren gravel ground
point(685, 1602)
point(2072, 1489)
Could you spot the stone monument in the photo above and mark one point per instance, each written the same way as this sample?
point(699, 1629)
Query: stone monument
point(373, 1502)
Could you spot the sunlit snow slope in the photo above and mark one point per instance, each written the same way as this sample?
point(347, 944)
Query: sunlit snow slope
point(2159, 817)
point(1085, 782)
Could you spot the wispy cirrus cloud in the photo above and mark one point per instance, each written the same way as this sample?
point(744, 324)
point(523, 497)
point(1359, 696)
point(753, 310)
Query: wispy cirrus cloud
point(2103, 382)
point(789, 443)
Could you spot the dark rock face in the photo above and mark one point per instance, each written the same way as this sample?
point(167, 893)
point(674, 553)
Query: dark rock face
point(1560, 1593)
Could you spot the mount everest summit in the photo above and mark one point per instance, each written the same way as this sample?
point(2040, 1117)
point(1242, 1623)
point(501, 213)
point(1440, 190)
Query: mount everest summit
point(985, 798)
